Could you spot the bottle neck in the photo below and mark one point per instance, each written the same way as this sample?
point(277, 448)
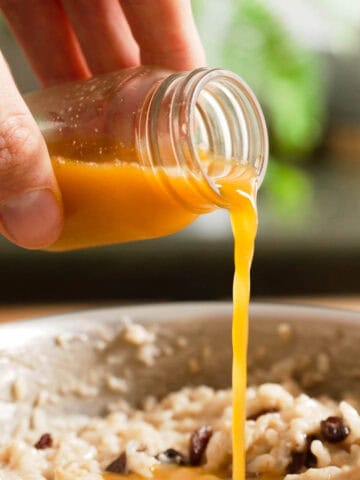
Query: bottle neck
point(205, 126)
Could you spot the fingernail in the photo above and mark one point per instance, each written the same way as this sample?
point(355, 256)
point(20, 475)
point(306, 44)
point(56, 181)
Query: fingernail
point(32, 219)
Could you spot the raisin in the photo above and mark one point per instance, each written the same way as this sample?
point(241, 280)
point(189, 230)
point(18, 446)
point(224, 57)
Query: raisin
point(296, 462)
point(261, 413)
point(118, 465)
point(333, 429)
point(45, 441)
point(302, 459)
point(171, 456)
point(198, 443)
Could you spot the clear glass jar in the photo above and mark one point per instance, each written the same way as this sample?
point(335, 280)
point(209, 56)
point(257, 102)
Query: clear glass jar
point(141, 152)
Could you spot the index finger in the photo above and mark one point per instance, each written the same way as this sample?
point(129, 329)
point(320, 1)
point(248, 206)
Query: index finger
point(43, 30)
point(165, 32)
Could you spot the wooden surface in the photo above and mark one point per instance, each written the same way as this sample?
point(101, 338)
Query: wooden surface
point(18, 312)
point(21, 312)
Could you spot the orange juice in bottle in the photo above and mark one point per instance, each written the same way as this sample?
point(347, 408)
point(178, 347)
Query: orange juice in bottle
point(142, 152)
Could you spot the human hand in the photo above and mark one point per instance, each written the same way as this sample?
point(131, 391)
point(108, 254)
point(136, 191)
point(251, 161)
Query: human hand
point(69, 40)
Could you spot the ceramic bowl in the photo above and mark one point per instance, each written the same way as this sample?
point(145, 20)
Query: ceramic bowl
point(71, 357)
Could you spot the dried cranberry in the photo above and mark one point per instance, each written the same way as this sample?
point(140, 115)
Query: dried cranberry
point(333, 429)
point(45, 441)
point(302, 459)
point(296, 462)
point(118, 465)
point(198, 443)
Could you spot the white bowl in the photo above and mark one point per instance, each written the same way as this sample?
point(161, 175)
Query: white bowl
point(74, 355)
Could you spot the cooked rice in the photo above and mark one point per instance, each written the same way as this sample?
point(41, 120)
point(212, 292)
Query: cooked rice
point(281, 420)
point(284, 437)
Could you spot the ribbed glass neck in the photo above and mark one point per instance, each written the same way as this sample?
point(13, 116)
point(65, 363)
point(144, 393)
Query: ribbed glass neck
point(208, 113)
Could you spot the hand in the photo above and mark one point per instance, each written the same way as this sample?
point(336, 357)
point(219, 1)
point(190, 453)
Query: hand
point(68, 40)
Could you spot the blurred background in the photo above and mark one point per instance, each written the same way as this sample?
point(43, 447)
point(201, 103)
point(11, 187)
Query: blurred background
point(302, 59)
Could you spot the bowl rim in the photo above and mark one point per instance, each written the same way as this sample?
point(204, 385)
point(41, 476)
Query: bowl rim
point(269, 308)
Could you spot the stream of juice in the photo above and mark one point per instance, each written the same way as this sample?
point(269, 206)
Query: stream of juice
point(109, 202)
point(244, 223)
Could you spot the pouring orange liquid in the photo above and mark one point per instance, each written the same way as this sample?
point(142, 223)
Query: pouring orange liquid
point(244, 223)
point(107, 202)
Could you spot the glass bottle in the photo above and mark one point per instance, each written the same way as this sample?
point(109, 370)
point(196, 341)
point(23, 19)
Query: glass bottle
point(140, 153)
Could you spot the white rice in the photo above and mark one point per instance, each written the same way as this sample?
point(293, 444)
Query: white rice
point(283, 425)
point(83, 447)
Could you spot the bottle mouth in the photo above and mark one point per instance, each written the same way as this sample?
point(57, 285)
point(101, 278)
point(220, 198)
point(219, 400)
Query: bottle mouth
point(226, 123)
point(208, 128)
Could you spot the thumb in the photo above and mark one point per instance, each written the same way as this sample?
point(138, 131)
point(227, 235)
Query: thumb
point(30, 203)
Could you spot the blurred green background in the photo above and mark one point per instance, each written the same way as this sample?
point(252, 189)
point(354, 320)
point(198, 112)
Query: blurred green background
point(252, 41)
point(302, 59)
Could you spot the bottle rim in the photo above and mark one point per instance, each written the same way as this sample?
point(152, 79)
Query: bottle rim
point(176, 99)
point(196, 82)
